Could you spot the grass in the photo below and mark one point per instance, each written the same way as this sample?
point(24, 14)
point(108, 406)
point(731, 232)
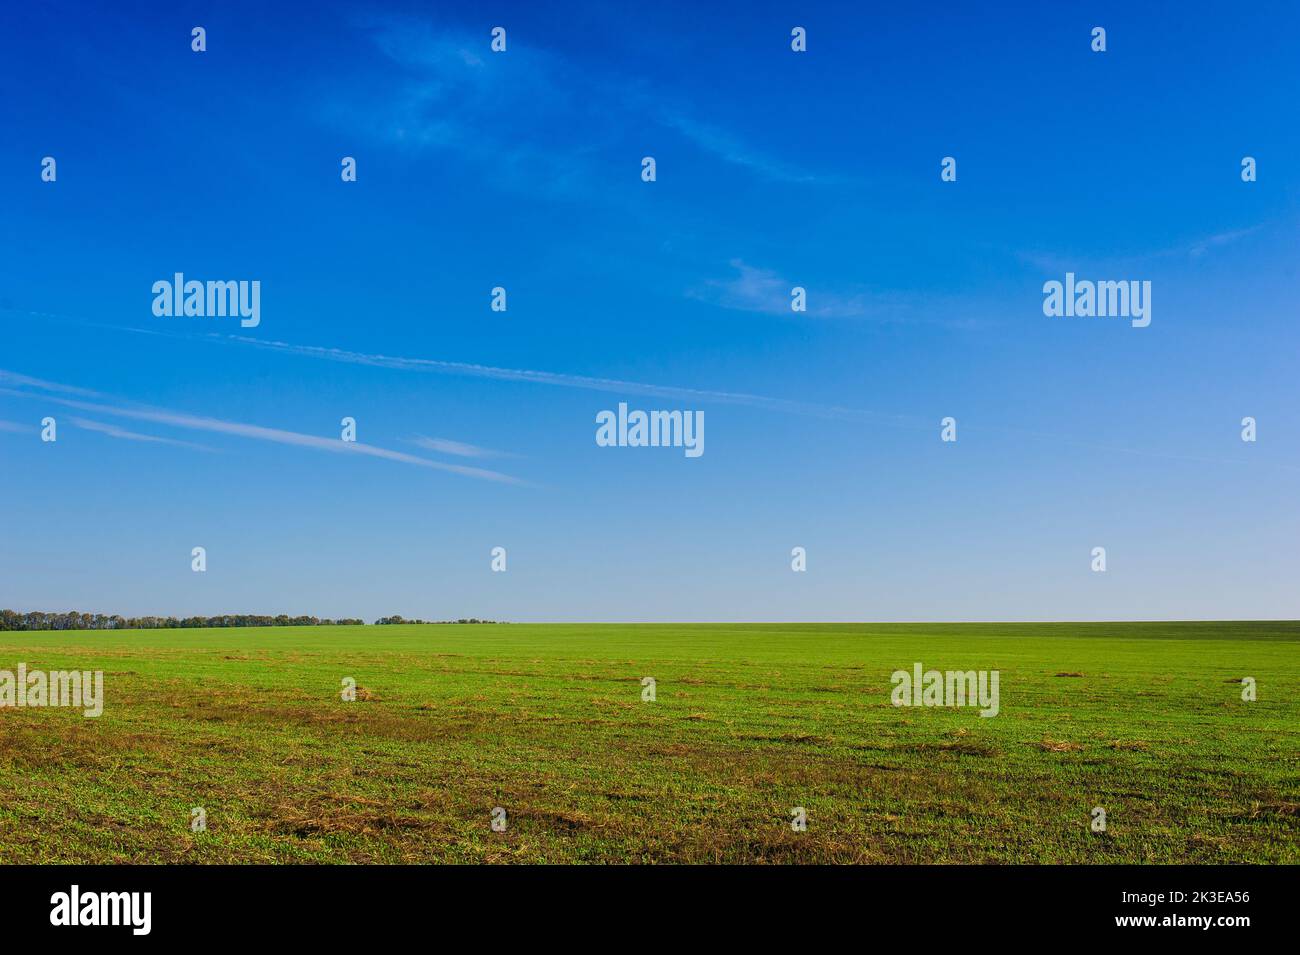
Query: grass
point(1142, 719)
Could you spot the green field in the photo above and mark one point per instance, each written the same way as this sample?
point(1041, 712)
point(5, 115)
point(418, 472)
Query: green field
point(1143, 719)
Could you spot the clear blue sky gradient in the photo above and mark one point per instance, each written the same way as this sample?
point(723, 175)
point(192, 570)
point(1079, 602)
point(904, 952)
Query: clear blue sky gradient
point(775, 169)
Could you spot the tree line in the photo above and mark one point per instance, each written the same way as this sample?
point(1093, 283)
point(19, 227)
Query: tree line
point(79, 620)
point(388, 621)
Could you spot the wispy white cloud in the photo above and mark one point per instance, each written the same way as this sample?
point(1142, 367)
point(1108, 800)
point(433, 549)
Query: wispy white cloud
point(1199, 248)
point(239, 429)
point(621, 387)
point(727, 147)
point(113, 431)
point(502, 112)
point(556, 379)
point(610, 385)
point(457, 448)
point(13, 427)
point(754, 289)
point(1055, 261)
point(549, 378)
point(751, 289)
point(16, 380)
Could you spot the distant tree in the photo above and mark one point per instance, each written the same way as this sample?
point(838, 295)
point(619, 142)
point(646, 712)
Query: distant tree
point(80, 620)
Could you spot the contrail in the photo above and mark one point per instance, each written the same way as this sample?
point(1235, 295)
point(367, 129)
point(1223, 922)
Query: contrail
point(113, 431)
point(558, 379)
point(554, 379)
point(239, 429)
point(617, 386)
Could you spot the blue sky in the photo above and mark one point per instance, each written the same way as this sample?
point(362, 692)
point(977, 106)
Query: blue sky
point(774, 169)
